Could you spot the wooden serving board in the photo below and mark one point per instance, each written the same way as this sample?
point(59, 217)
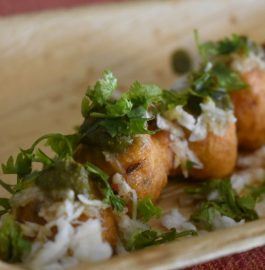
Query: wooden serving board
point(48, 59)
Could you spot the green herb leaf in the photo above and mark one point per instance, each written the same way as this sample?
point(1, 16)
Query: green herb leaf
point(5, 205)
point(203, 217)
point(147, 210)
point(7, 187)
point(233, 44)
point(103, 89)
point(215, 80)
point(13, 246)
point(110, 198)
point(119, 108)
point(63, 145)
point(150, 237)
point(144, 94)
point(171, 98)
point(21, 167)
point(226, 202)
point(120, 119)
point(227, 79)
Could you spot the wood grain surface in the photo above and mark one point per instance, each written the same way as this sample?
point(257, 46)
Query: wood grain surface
point(48, 59)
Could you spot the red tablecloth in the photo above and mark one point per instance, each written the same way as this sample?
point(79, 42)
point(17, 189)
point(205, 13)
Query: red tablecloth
point(251, 260)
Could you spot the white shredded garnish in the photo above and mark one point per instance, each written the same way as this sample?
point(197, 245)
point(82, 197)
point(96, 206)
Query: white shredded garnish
point(214, 195)
point(183, 118)
point(260, 207)
point(164, 124)
point(52, 251)
point(87, 243)
point(212, 119)
point(174, 219)
point(183, 154)
point(179, 146)
point(220, 222)
point(248, 63)
point(74, 240)
point(97, 203)
point(244, 178)
point(125, 191)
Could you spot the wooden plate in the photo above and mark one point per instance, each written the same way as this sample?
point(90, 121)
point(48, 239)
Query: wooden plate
point(48, 59)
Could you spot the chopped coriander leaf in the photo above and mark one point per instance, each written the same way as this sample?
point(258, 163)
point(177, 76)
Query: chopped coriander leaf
point(147, 210)
point(119, 108)
point(171, 98)
point(13, 246)
point(215, 81)
point(234, 44)
point(150, 237)
point(4, 202)
point(112, 120)
point(62, 145)
point(227, 78)
point(21, 166)
point(103, 89)
point(7, 187)
point(4, 206)
point(143, 94)
point(110, 198)
point(225, 202)
point(203, 217)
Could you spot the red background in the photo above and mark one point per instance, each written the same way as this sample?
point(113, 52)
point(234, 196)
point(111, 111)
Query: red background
point(254, 259)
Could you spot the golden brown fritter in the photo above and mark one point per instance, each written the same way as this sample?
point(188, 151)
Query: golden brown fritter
point(145, 164)
point(250, 111)
point(217, 154)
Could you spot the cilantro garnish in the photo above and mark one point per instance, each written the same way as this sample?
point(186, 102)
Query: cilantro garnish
point(112, 124)
point(58, 172)
point(215, 80)
point(234, 44)
point(227, 203)
point(151, 237)
point(62, 146)
point(13, 246)
point(110, 198)
point(147, 210)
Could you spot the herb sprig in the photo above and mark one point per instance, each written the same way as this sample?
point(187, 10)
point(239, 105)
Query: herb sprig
point(225, 201)
point(58, 172)
point(111, 124)
point(146, 210)
point(151, 237)
point(13, 245)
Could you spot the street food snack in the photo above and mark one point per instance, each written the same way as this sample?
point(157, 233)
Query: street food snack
point(92, 194)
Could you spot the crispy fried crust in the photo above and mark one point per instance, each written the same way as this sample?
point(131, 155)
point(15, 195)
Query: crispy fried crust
point(148, 164)
point(145, 164)
point(250, 111)
point(218, 154)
